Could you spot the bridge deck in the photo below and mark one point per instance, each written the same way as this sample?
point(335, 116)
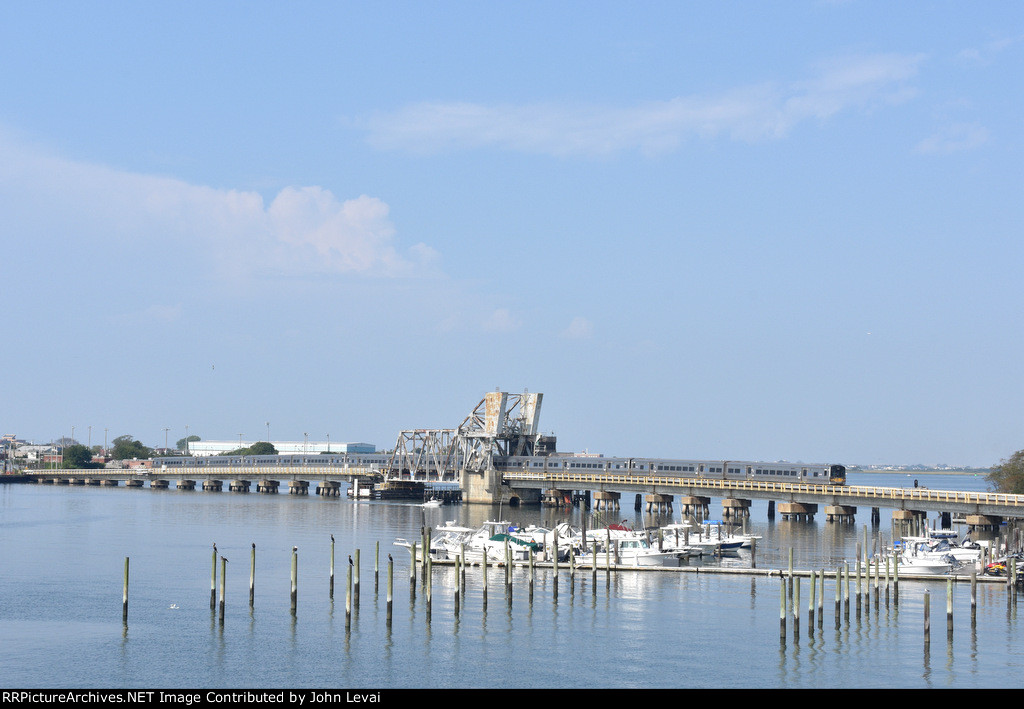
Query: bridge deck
point(983, 503)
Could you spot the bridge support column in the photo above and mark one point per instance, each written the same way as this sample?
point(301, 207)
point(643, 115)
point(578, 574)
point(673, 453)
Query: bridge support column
point(186, 484)
point(110, 483)
point(735, 509)
point(945, 520)
point(698, 507)
point(606, 500)
point(159, 484)
point(988, 523)
point(908, 521)
point(298, 487)
point(662, 504)
point(239, 486)
point(800, 512)
point(840, 513)
point(133, 483)
point(92, 481)
point(328, 488)
point(267, 486)
point(556, 498)
point(213, 485)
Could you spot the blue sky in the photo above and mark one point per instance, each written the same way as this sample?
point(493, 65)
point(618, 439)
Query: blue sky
point(747, 230)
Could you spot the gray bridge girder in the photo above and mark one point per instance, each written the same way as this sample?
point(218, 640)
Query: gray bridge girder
point(972, 503)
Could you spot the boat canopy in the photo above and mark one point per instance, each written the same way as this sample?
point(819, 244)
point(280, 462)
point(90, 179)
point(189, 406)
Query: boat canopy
point(515, 540)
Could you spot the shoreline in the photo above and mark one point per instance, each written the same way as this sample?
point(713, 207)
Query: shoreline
point(911, 473)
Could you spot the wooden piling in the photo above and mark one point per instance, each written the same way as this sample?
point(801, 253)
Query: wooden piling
point(810, 603)
point(927, 618)
point(949, 608)
point(252, 575)
point(782, 610)
point(376, 567)
point(348, 597)
point(428, 582)
point(458, 587)
point(974, 598)
point(295, 580)
point(223, 582)
point(390, 587)
point(331, 590)
point(355, 581)
point(124, 594)
point(213, 580)
point(796, 608)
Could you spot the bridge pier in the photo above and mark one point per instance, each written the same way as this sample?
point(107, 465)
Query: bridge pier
point(109, 483)
point(908, 521)
point(733, 508)
point(184, 484)
point(606, 500)
point(800, 512)
point(92, 481)
point(556, 498)
point(298, 487)
point(159, 484)
point(213, 485)
point(840, 513)
point(328, 488)
point(698, 507)
point(239, 486)
point(662, 504)
point(988, 523)
point(268, 486)
point(133, 483)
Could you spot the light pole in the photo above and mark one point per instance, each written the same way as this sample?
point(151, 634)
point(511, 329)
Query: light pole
point(305, 445)
point(186, 439)
point(268, 431)
point(239, 440)
point(165, 438)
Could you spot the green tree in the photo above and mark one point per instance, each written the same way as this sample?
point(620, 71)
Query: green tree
point(126, 447)
point(180, 445)
point(1008, 476)
point(78, 456)
point(258, 448)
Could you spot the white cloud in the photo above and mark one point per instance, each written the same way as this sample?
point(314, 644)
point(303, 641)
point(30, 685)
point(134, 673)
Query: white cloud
point(501, 320)
point(758, 112)
point(579, 329)
point(953, 138)
point(302, 230)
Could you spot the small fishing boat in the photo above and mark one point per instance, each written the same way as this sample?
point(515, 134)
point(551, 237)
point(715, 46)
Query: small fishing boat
point(628, 551)
point(432, 502)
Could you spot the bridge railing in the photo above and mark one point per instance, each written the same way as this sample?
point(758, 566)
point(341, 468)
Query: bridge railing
point(866, 492)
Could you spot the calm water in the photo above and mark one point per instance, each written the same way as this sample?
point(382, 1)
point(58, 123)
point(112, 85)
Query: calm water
point(62, 554)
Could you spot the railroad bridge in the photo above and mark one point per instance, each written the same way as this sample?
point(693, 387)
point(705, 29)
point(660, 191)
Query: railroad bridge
point(493, 457)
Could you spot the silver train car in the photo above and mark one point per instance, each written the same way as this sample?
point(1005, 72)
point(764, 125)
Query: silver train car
point(822, 474)
point(286, 460)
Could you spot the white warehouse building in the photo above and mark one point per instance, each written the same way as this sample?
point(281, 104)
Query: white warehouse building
point(289, 447)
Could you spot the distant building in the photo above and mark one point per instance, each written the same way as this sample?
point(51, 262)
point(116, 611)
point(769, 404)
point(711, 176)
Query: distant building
point(311, 447)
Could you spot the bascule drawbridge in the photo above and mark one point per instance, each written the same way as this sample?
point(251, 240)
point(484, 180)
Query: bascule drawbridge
point(500, 425)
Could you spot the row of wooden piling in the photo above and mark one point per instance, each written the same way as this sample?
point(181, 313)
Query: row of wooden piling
point(789, 606)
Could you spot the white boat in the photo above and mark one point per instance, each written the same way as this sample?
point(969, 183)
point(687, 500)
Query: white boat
point(432, 502)
point(935, 566)
point(627, 551)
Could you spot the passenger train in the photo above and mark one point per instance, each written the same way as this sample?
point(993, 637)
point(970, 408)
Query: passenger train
point(830, 474)
point(823, 474)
